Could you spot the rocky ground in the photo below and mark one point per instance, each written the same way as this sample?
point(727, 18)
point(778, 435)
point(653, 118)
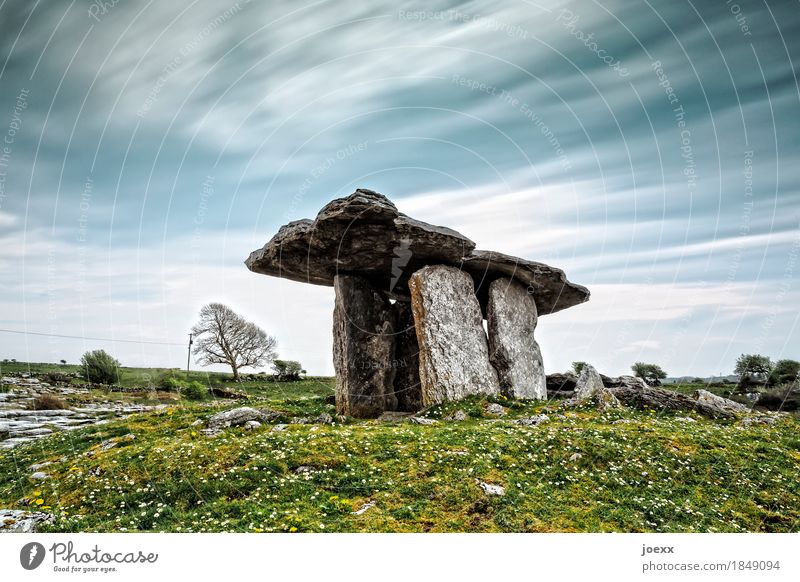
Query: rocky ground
point(282, 461)
point(20, 424)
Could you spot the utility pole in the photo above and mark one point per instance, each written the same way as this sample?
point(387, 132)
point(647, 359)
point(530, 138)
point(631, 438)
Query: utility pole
point(189, 354)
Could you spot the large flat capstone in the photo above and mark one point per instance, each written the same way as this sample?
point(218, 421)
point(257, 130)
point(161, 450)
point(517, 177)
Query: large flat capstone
point(453, 351)
point(513, 351)
point(365, 235)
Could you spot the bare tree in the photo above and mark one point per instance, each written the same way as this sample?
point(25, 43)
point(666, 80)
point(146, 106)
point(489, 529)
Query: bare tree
point(224, 337)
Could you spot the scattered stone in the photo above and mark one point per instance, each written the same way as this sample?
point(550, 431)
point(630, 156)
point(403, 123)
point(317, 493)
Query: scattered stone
point(624, 421)
point(363, 348)
point(454, 354)
point(495, 409)
point(197, 422)
point(324, 418)
point(235, 417)
point(458, 415)
point(364, 508)
point(685, 419)
point(511, 321)
point(490, 489)
point(252, 424)
point(534, 420)
point(422, 420)
point(107, 444)
point(40, 476)
point(761, 419)
point(38, 466)
point(304, 469)
point(19, 521)
point(279, 427)
point(752, 397)
point(301, 420)
point(575, 456)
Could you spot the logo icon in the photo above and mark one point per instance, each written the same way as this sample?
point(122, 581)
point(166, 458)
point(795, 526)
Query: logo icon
point(31, 555)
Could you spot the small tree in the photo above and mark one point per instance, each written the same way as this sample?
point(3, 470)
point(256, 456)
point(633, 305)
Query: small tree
point(287, 370)
point(577, 367)
point(650, 373)
point(784, 372)
point(752, 367)
point(63, 362)
point(224, 337)
point(100, 367)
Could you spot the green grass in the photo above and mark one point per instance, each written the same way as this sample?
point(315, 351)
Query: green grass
point(652, 472)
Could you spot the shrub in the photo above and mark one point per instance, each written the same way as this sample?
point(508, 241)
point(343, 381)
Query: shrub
point(170, 383)
point(100, 367)
point(48, 402)
point(287, 370)
point(195, 391)
point(577, 367)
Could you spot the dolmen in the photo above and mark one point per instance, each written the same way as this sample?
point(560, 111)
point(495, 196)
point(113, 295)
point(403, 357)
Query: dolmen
point(411, 301)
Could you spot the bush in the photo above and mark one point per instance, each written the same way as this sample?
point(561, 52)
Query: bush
point(287, 370)
point(48, 402)
point(170, 383)
point(195, 391)
point(100, 367)
point(577, 367)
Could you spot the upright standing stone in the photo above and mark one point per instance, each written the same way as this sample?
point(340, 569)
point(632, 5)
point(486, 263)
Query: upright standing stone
point(589, 384)
point(513, 351)
point(406, 360)
point(453, 353)
point(363, 348)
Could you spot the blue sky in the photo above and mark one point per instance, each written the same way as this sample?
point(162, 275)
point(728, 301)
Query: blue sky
point(649, 149)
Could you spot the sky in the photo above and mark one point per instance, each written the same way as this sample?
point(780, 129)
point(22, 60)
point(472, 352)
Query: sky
point(649, 149)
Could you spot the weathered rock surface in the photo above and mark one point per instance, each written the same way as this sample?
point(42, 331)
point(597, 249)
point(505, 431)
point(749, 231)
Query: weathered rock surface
point(237, 417)
point(511, 317)
point(407, 387)
point(454, 354)
point(363, 349)
point(19, 521)
point(364, 234)
point(589, 384)
point(712, 400)
point(651, 397)
point(549, 286)
point(495, 409)
point(491, 489)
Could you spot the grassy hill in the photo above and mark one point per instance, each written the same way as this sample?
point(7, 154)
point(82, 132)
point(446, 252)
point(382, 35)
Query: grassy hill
point(584, 470)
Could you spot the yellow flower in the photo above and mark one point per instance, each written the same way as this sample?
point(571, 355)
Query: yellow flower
point(292, 529)
point(37, 493)
point(39, 501)
point(193, 433)
point(333, 498)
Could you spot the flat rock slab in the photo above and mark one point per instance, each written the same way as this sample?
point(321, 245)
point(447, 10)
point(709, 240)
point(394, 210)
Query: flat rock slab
point(513, 351)
point(365, 235)
point(454, 355)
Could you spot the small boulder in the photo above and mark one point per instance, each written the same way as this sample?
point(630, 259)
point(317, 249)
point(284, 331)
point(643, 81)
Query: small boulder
point(252, 424)
point(279, 427)
point(422, 420)
point(490, 489)
point(534, 420)
point(235, 417)
point(40, 476)
point(495, 409)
